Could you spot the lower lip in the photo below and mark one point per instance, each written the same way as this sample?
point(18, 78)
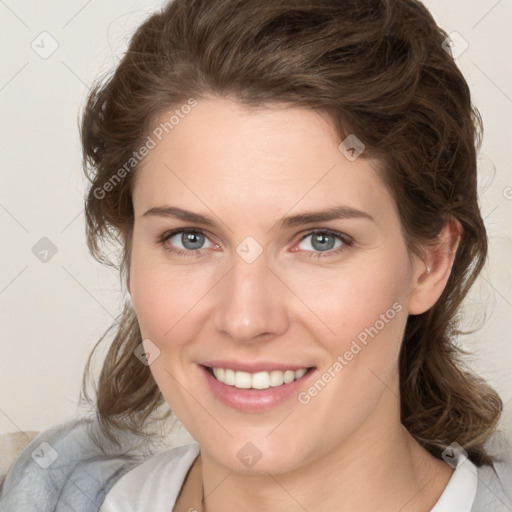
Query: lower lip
point(254, 400)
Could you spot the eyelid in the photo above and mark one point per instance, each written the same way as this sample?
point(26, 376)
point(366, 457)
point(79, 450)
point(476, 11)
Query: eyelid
point(334, 232)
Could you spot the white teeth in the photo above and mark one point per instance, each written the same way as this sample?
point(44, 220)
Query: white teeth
point(229, 377)
point(276, 378)
point(260, 380)
point(300, 373)
point(242, 380)
point(289, 376)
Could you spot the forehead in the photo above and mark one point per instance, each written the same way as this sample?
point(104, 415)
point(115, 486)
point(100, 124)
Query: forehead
point(222, 152)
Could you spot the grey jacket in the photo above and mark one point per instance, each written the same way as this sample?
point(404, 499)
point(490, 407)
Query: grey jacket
point(71, 468)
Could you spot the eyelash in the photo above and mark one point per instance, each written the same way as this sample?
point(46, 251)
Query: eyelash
point(347, 242)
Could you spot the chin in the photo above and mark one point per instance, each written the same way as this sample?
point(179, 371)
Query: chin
point(241, 455)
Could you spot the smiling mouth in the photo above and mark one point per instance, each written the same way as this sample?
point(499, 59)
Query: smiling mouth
point(258, 380)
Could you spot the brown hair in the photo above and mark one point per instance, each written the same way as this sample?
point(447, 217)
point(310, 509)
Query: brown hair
point(380, 70)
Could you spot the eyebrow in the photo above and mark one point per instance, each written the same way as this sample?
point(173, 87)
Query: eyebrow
point(333, 213)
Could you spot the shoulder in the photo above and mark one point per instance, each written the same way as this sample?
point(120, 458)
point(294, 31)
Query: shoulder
point(70, 464)
point(494, 490)
point(155, 483)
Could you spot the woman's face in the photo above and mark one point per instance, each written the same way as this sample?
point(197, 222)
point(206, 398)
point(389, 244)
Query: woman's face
point(255, 290)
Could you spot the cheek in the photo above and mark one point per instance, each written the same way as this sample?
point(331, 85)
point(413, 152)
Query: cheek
point(368, 321)
point(164, 306)
point(162, 295)
point(351, 304)
point(365, 311)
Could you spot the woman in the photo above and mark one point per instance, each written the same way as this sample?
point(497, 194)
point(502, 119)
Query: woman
point(293, 185)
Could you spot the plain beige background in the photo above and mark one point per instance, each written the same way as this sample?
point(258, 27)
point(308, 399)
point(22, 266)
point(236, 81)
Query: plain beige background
point(52, 312)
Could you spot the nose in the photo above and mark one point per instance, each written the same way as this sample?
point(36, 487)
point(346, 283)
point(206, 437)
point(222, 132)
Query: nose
point(250, 303)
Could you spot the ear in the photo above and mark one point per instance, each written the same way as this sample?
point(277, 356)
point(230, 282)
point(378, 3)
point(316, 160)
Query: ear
point(431, 272)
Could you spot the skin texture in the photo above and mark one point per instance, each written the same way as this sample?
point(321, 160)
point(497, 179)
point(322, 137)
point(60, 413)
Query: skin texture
point(346, 449)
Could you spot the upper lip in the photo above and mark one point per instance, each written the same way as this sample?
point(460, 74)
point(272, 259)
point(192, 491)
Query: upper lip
point(260, 366)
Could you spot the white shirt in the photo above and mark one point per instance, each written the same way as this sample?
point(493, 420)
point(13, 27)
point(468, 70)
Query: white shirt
point(155, 484)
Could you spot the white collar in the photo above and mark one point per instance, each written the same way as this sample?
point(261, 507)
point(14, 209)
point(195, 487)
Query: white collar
point(459, 494)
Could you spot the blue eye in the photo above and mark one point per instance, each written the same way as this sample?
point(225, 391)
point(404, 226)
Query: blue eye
point(191, 241)
point(323, 241)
